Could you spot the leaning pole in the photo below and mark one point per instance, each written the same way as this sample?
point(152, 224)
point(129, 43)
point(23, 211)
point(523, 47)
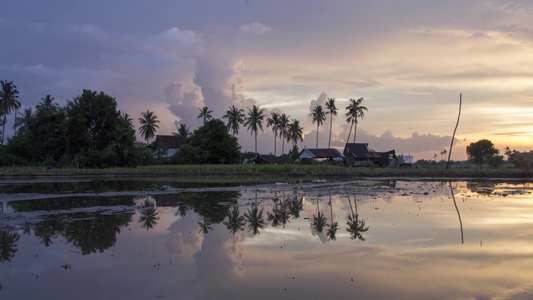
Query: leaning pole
point(457, 124)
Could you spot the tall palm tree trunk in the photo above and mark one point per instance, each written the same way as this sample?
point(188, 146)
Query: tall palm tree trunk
point(330, 124)
point(349, 133)
point(275, 139)
point(317, 127)
point(354, 131)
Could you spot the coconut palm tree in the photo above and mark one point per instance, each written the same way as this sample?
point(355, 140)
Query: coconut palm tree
point(235, 118)
point(294, 132)
point(8, 102)
point(25, 119)
point(205, 226)
point(332, 111)
point(283, 127)
point(273, 122)
point(319, 116)
point(254, 121)
point(148, 125)
point(354, 110)
point(47, 103)
point(205, 113)
point(182, 130)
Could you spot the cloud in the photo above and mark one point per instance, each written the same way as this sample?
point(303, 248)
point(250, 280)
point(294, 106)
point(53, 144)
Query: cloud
point(255, 28)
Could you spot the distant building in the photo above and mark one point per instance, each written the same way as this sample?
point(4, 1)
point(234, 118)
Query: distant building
point(168, 145)
point(266, 159)
point(358, 155)
point(321, 154)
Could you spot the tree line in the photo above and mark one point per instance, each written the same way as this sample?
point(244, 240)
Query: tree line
point(89, 131)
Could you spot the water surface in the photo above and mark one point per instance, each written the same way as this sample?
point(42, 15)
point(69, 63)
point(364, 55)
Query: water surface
point(372, 239)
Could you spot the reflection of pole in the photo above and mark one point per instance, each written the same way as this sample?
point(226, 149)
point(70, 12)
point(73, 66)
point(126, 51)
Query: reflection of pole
point(460, 222)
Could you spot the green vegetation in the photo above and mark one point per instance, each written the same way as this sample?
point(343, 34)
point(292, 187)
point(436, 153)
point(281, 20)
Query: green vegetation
point(483, 151)
point(261, 172)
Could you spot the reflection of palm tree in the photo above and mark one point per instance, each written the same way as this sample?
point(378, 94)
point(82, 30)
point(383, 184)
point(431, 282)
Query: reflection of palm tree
point(235, 221)
point(205, 226)
point(319, 221)
point(7, 245)
point(254, 217)
point(355, 226)
point(280, 213)
point(295, 207)
point(148, 216)
point(334, 226)
point(182, 211)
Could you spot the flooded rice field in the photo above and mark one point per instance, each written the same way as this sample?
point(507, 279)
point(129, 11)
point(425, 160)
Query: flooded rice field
point(368, 239)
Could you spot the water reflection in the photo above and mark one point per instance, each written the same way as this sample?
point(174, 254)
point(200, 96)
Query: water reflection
point(260, 242)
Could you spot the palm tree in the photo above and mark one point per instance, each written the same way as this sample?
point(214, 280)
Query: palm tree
point(274, 122)
point(254, 121)
point(47, 103)
point(354, 110)
point(205, 113)
point(25, 119)
point(283, 127)
point(182, 130)
point(8, 102)
point(235, 221)
point(235, 118)
point(294, 132)
point(319, 116)
point(332, 110)
point(148, 125)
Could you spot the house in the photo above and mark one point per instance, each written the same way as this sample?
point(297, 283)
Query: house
point(266, 159)
point(168, 145)
point(321, 154)
point(358, 155)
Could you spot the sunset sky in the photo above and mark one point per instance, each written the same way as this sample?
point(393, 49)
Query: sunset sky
point(410, 60)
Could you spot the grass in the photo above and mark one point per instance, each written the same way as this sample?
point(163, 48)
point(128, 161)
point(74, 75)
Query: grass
point(244, 171)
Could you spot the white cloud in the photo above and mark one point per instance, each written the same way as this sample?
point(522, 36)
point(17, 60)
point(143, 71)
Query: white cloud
point(255, 28)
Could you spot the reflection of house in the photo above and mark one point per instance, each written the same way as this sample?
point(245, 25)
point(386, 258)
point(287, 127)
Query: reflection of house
point(321, 154)
point(265, 159)
point(168, 145)
point(358, 155)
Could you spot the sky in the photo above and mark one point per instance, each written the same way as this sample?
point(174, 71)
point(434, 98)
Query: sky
point(410, 60)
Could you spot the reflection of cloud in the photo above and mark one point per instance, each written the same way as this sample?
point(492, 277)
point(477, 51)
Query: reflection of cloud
point(183, 234)
point(220, 257)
